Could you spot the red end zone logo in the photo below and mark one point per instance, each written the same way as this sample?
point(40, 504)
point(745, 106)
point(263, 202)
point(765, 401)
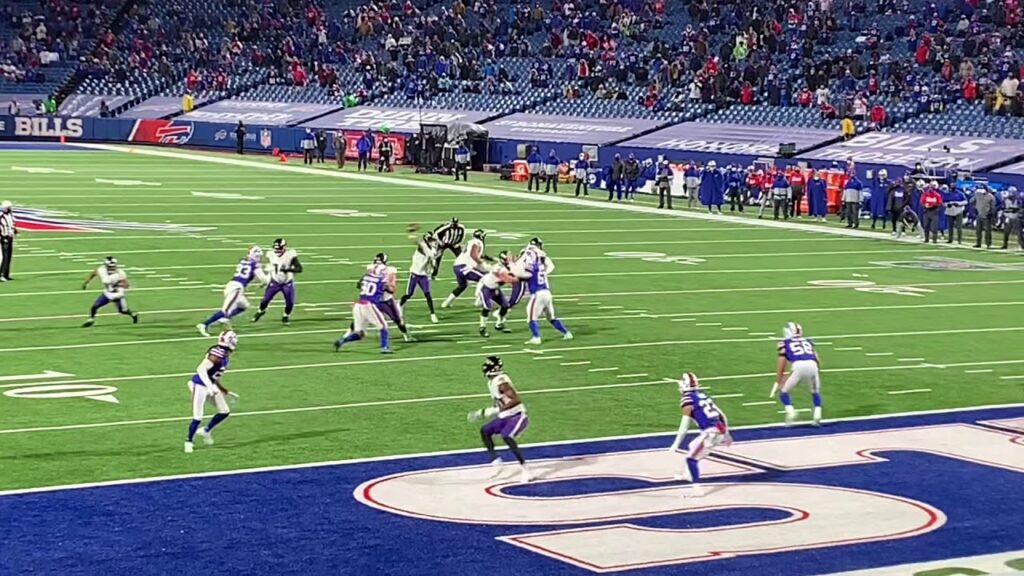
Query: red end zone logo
point(152, 131)
point(37, 220)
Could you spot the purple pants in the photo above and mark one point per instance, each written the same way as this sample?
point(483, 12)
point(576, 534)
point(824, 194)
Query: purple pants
point(415, 280)
point(287, 290)
point(102, 301)
point(508, 427)
point(518, 291)
point(465, 274)
point(492, 296)
point(390, 309)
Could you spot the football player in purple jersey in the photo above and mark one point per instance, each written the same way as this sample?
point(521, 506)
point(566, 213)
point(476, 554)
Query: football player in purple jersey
point(700, 409)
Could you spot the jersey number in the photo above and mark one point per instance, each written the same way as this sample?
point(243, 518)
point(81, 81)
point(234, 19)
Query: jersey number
point(244, 269)
point(707, 405)
point(369, 288)
point(801, 348)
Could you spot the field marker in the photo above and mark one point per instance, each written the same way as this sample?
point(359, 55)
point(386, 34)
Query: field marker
point(736, 328)
point(684, 320)
point(548, 357)
point(907, 359)
point(708, 324)
point(797, 410)
point(611, 369)
point(580, 363)
point(761, 403)
point(466, 341)
point(978, 371)
point(761, 334)
point(736, 395)
point(1011, 377)
point(914, 391)
point(192, 282)
point(640, 375)
point(496, 347)
point(822, 343)
point(611, 307)
point(41, 376)
point(634, 311)
point(877, 353)
point(849, 349)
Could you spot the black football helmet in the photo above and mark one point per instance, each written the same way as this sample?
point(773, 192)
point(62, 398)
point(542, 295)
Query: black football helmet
point(380, 258)
point(479, 234)
point(536, 241)
point(110, 263)
point(280, 245)
point(492, 366)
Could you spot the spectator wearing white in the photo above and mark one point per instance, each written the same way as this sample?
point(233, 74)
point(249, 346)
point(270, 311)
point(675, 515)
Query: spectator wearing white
point(13, 109)
point(1008, 93)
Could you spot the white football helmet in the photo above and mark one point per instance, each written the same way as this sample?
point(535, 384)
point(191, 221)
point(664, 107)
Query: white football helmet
point(688, 382)
point(792, 329)
point(256, 253)
point(228, 339)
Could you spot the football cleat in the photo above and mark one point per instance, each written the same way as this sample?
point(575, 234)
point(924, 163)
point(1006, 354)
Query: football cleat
point(567, 336)
point(524, 475)
point(693, 491)
point(790, 415)
point(338, 344)
point(534, 340)
point(188, 448)
point(500, 327)
point(433, 318)
point(285, 320)
point(135, 318)
point(206, 435)
point(385, 351)
point(88, 323)
point(496, 466)
point(816, 418)
point(259, 314)
point(483, 333)
point(202, 330)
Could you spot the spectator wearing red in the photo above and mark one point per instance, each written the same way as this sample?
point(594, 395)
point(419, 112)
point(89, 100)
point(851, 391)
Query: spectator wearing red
point(191, 80)
point(804, 97)
point(931, 202)
point(747, 94)
point(923, 51)
point(878, 115)
point(797, 183)
point(970, 90)
point(873, 85)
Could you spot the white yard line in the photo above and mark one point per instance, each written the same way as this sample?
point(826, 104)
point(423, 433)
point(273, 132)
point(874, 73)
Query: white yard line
point(639, 375)
point(979, 371)
point(708, 324)
point(877, 353)
point(1019, 377)
point(914, 391)
point(684, 320)
point(722, 396)
point(736, 329)
point(609, 369)
point(538, 358)
point(578, 363)
point(849, 349)
point(761, 403)
point(906, 359)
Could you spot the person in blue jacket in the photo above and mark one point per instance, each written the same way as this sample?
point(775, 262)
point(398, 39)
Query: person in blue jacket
point(712, 187)
point(817, 190)
point(363, 147)
point(734, 181)
point(581, 170)
point(534, 163)
point(879, 194)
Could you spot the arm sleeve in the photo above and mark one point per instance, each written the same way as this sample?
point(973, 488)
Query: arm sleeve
point(296, 265)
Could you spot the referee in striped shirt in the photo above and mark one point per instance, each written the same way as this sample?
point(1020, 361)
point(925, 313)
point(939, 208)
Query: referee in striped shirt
point(7, 232)
point(449, 237)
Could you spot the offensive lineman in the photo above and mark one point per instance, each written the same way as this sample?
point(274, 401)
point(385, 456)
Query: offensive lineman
point(488, 292)
point(505, 417)
point(536, 266)
point(714, 430)
point(115, 282)
point(364, 311)
point(449, 237)
point(235, 302)
point(798, 351)
point(419, 272)
point(205, 386)
point(467, 266)
point(284, 265)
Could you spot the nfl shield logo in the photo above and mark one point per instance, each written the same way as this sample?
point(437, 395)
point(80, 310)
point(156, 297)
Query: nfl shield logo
point(266, 137)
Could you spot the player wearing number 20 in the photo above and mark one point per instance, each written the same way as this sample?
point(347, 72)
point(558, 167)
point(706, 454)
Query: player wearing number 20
point(699, 408)
point(284, 265)
point(798, 352)
point(206, 387)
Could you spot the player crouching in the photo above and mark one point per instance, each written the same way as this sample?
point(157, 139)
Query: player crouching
point(205, 386)
point(799, 352)
point(488, 292)
point(698, 407)
point(115, 282)
point(507, 417)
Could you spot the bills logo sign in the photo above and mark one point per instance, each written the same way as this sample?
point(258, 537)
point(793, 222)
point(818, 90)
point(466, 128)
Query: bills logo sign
point(152, 131)
point(46, 126)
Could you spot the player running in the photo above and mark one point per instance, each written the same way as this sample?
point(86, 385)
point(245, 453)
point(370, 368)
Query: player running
point(449, 237)
point(419, 272)
point(387, 304)
point(235, 302)
point(115, 283)
point(797, 351)
point(535, 269)
point(714, 430)
point(488, 292)
point(506, 417)
point(468, 266)
point(284, 265)
point(364, 312)
point(206, 387)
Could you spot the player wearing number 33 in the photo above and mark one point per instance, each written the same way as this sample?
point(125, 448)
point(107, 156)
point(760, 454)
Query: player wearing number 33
point(235, 302)
point(505, 417)
point(798, 352)
point(699, 408)
point(284, 265)
point(206, 387)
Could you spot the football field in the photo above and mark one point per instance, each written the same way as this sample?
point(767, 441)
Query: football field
point(900, 327)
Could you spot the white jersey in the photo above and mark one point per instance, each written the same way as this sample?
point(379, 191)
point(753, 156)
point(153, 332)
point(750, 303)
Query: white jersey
point(500, 400)
point(493, 279)
point(423, 260)
point(112, 287)
point(466, 258)
point(278, 265)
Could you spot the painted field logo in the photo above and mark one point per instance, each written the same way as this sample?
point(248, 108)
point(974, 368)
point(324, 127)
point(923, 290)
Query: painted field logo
point(41, 220)
point(940, 263)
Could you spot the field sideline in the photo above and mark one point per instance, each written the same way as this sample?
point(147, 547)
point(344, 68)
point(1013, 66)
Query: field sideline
point(901, 327)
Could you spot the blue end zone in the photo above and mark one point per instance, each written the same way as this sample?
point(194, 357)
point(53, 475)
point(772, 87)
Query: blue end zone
point(307, 521)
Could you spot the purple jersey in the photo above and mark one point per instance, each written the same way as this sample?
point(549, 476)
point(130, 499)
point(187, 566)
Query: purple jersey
point(220, 365)
point(797, 348)
point(246, 271)
point(371, 288)
point(705, 413)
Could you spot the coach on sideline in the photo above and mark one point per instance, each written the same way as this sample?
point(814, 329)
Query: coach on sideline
point(7, 231)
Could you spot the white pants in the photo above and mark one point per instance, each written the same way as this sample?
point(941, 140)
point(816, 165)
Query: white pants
point(234, 297)
point(540, 305)
point(364, 315)
point(803, 371)
point(702, 445)
point(201, 395)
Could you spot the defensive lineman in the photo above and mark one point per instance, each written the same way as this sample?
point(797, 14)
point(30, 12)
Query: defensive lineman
point(449, 237)
point(505, 417)
point(387, 304)
point(364, 311)
point(419, 272)
point(206, 387)
point(115, 282)
point(535, 269)
point(797, 351)
point(235, 302)
point(467, 266)
point(714, 429)
point(488, 292)
point(284, 265)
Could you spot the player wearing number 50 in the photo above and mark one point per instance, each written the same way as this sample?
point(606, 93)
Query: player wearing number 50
point(235, 302)
point(284, 265)
point(372, 288)
point(798, 352)
point(505, 417)
point(206, 387)
point(698, 407)
point(115, 282)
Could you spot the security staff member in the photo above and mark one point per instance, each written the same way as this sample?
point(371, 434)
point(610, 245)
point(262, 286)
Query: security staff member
point(1012, 209)
point(340, 147)
point(551, 164)
point(240, 132)
point(8, 228)
point(462, 162)
point(449, 237)
point(985, 205)
point(663, 182)
point(386, 151)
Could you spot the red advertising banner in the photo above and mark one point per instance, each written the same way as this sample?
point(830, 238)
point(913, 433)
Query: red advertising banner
point(351, 138)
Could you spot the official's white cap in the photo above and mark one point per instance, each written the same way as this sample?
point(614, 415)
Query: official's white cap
point(5, 205)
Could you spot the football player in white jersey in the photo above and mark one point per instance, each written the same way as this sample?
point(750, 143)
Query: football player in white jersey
point(420, 271)
point(284, 265)
point(468, 266)
point(505, 417)
point(235, 302)
point(115, 282)
point(489, 294)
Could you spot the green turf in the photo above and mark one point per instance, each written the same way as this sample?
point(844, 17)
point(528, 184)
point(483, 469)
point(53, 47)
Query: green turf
point(301, 402)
